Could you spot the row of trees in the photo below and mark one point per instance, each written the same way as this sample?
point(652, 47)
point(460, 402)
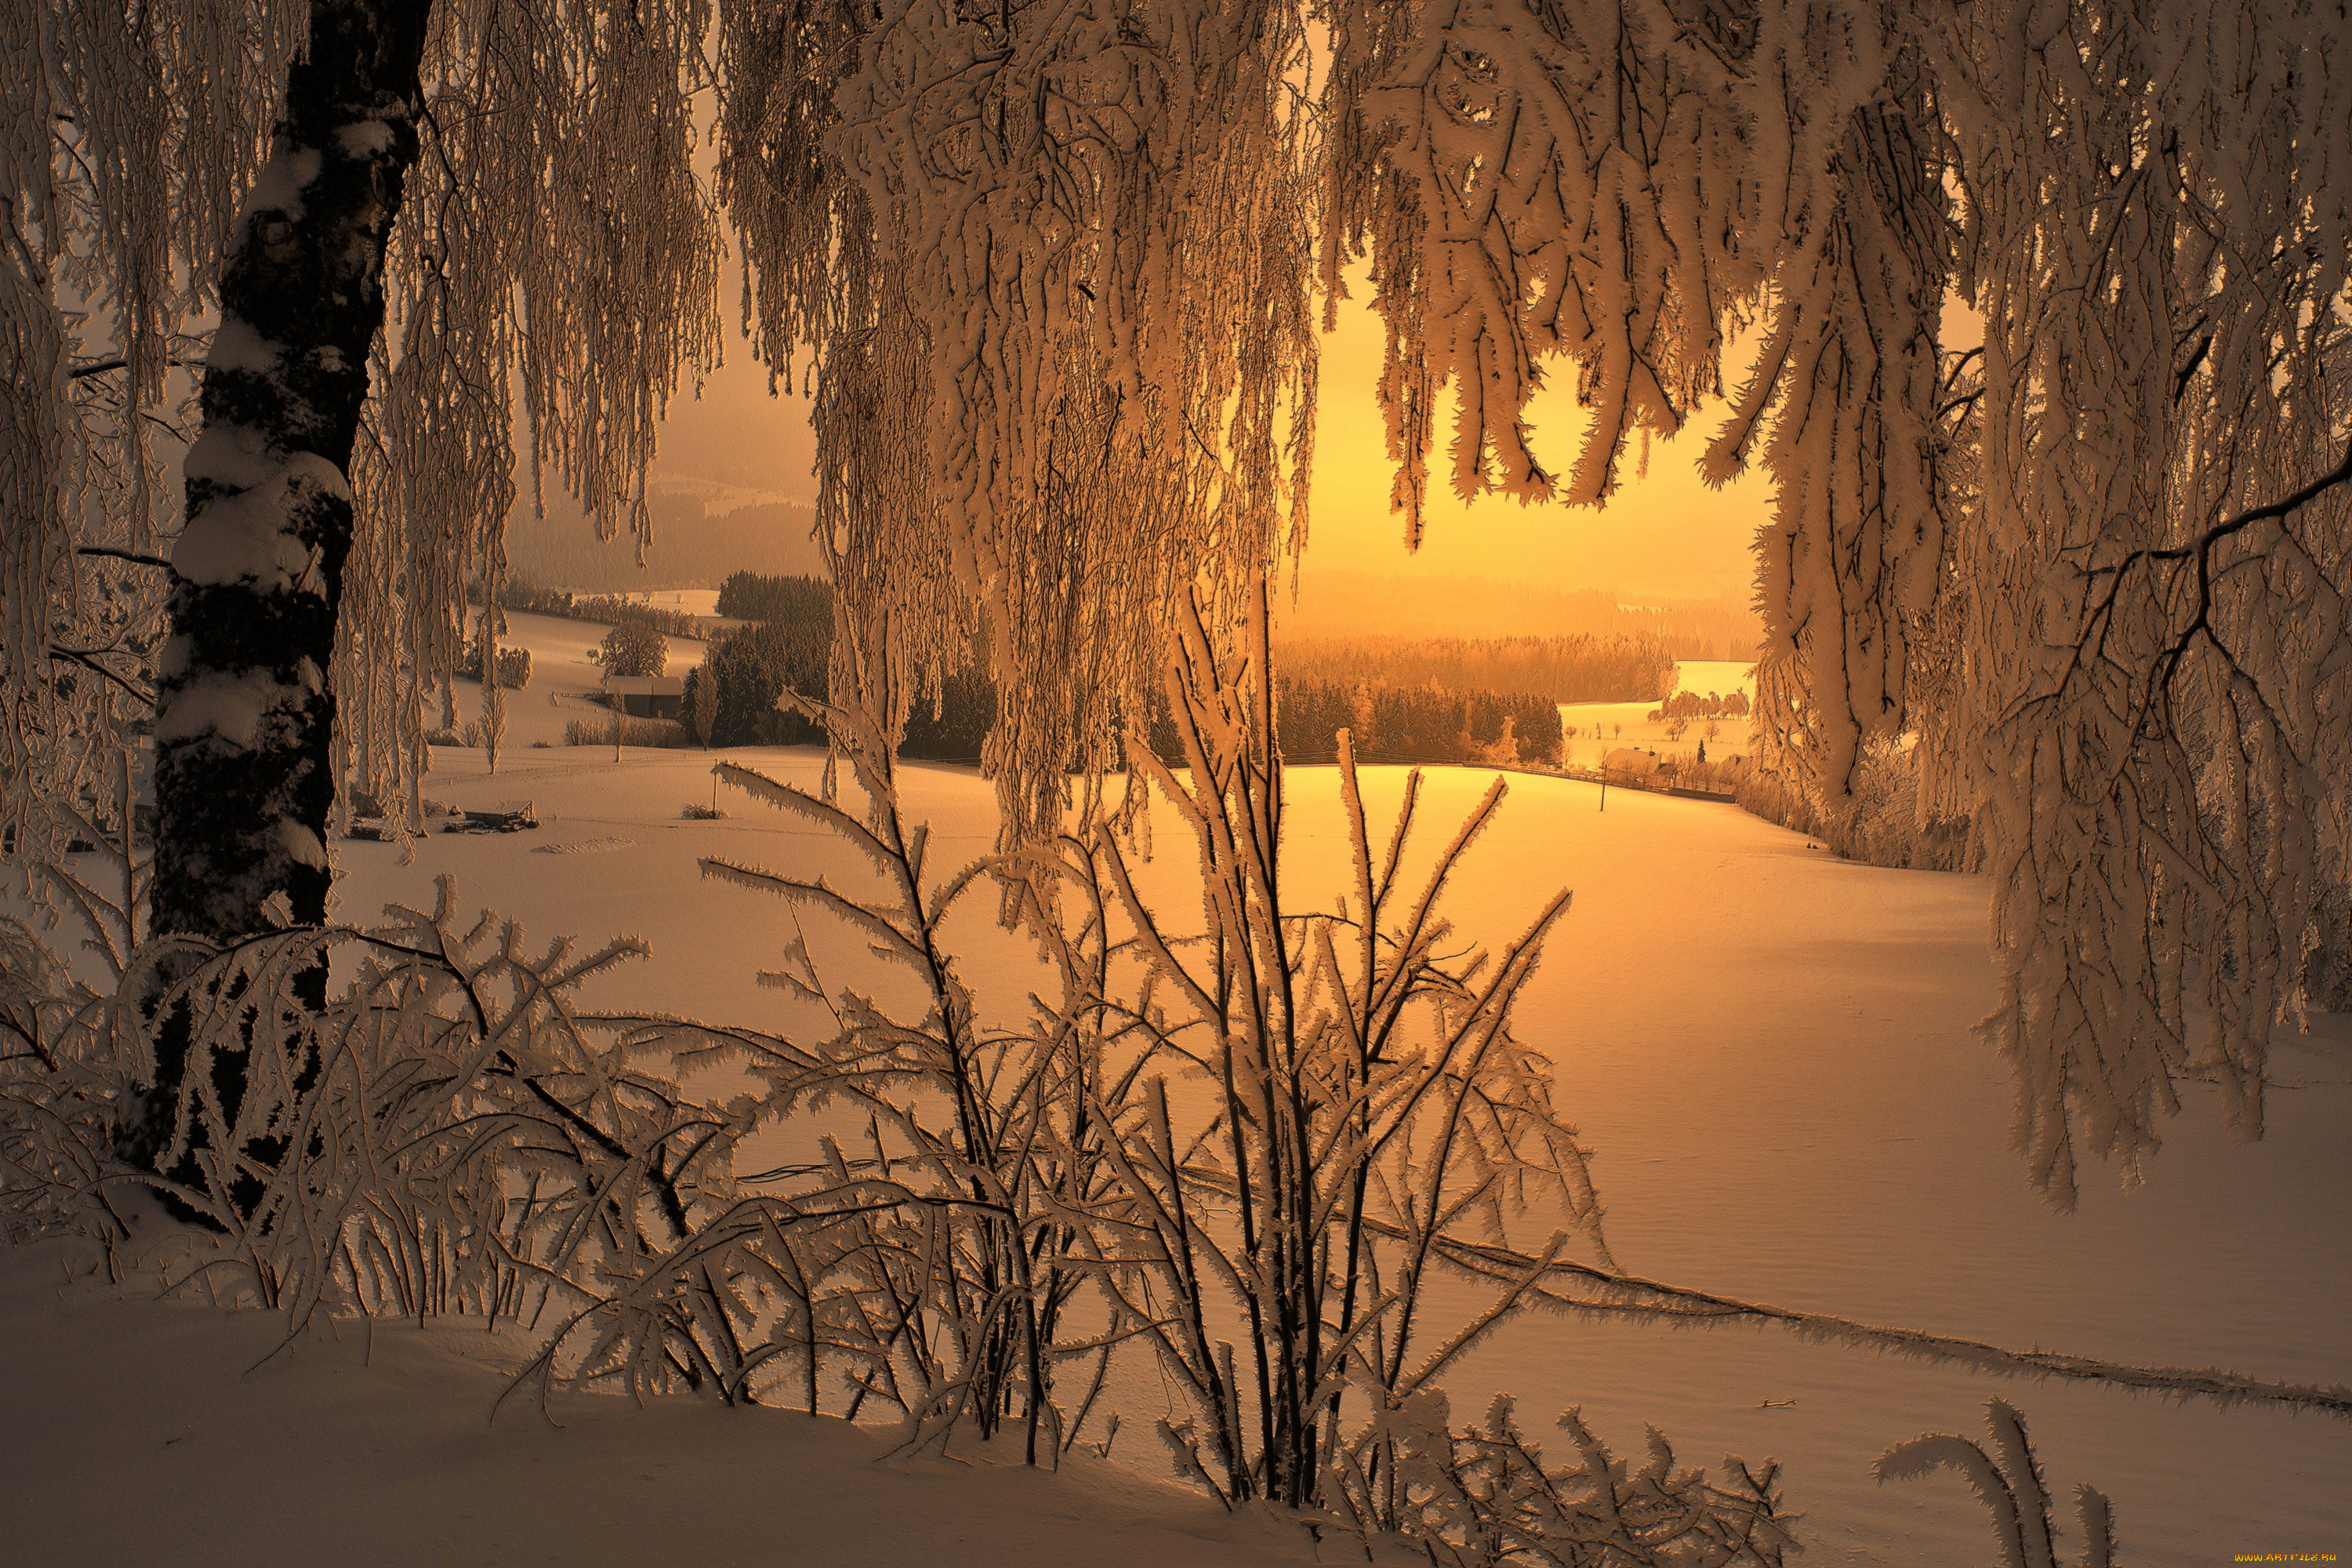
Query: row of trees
point(512, 667)
point(1575, 669)
point(1691, 705)
point(1413, 723)
point(752, 596)
point(790, 650)
point(612, 609)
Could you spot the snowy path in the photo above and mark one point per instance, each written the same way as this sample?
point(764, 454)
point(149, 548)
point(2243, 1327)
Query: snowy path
point(1771, 1051)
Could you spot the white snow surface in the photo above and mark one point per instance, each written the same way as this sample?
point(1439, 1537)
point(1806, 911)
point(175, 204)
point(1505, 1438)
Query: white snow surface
point(171, 1427)
point(243, 537)
point(1771, 1051)
point(237, 456)
point(279, 185)
point(237, 346)
point(364, 138)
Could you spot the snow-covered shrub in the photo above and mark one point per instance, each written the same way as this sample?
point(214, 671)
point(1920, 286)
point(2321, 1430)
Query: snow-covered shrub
point(1272, 1132)
point(1883, 824)
point(53, 1104)
point(1481, 1495)
point(61, 1027)
point(447, 1133)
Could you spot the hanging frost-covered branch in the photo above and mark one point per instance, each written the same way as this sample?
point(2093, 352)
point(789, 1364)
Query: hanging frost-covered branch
point(2144, 207)
point(1052, 265)
point(126, 141)
point(2154, 222)
point(557, 247)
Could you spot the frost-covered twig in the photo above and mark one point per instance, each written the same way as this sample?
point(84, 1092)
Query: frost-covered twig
point(2009, 1482)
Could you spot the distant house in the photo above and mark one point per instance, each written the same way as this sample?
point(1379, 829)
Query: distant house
point(1626, 762)
point(646, 696)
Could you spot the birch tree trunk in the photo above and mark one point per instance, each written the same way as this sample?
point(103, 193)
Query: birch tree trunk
point(245, 712)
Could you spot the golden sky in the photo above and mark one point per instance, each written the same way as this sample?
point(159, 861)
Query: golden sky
point(1662, 535)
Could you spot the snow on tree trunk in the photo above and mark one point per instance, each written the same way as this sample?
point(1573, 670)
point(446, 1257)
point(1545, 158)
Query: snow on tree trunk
point(244, 712)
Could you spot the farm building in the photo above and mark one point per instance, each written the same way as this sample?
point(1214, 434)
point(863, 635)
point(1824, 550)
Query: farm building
point(1631, 763)
point(646, 696)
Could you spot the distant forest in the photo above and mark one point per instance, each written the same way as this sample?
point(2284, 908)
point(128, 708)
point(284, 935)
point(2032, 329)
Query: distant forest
point(1399, 716)
point(1574, 669)
point(693, 546)
point(1412, 723)
point(1345, 603)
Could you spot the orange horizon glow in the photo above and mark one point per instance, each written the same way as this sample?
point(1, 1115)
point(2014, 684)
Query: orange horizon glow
point(1665, 534)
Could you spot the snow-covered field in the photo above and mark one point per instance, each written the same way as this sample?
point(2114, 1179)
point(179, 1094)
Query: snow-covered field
point(1628, 724)
point(564, 685)
point(1769, 1049)
point(143, 1433)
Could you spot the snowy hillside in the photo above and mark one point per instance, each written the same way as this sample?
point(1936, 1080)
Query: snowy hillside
point(173, 1427)
point(1771, 1051)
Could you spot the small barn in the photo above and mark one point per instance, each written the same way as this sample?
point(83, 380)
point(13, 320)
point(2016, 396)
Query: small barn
point(1630, 762)
point(646, 696)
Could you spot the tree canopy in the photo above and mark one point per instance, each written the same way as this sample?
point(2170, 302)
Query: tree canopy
point(1054, 277)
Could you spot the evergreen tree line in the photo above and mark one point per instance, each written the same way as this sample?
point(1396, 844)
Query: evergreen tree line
point(790, 645)
point(605, 610)
point(1579, 667)
point(1413, 723)
point(749, 596)
point(1691, 705)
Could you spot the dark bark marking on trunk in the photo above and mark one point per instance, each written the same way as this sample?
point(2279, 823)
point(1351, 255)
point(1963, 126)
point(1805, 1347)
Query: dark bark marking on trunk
point(243, 779)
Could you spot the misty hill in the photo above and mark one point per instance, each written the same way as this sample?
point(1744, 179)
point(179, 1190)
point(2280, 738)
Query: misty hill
point(1352, 603)
point(703, 530)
